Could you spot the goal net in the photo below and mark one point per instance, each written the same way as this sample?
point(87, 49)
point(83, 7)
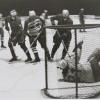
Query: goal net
point(61, 74)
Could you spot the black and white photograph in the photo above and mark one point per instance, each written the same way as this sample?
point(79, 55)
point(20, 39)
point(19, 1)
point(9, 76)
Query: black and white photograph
point(49, 49)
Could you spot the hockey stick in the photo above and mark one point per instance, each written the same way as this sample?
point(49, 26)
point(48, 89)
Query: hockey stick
point(34, 41)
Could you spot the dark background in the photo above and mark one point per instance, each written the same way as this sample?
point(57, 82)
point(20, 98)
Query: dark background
point(54, 6)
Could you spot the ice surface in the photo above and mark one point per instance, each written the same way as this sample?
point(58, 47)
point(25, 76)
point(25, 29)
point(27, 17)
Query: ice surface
point(22, 81)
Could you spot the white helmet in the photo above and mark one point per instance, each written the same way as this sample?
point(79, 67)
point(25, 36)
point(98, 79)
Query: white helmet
point(13, 12)
point(32, 13)
point(82, 9)
point(45, 11)
point(65, 12)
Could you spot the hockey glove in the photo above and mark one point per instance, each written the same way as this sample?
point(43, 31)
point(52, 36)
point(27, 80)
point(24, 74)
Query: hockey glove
point(7, 28)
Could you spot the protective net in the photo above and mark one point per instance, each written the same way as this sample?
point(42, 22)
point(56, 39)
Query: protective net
point(61, 74)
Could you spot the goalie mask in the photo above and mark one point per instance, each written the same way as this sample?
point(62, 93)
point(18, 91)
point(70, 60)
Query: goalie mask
point(35, 27)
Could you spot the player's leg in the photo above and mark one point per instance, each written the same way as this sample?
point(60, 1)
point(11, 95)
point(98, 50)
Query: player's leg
point(42, 41)
point(25, 49)
point(21, 42)
point(10, 45)
point(57, 42)
point(34, 50)
point(2, 38)
point(83, 22)
point(66, 40)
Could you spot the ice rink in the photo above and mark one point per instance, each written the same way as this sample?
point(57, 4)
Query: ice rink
point(20, 81)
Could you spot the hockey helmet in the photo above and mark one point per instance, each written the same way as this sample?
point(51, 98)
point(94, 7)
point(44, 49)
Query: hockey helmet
point(45, 11)
point(82, 9)
point(13, 12)
point(65, 12)
point(32, 13)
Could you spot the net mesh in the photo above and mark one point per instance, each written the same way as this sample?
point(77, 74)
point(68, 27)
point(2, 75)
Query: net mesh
point(89, 87)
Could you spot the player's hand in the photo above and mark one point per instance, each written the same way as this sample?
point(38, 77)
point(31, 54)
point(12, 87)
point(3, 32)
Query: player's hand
point(7, 28)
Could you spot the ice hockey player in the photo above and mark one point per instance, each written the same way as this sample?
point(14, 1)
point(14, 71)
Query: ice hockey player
point(65, 34)
point(34, 25)
point(81, 19)
point(16, 36)
point(2, 23)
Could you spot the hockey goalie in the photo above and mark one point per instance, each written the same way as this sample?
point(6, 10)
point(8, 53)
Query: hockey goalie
point(88, 72)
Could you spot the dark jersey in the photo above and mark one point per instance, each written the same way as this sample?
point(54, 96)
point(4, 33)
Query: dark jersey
point(15, 23)
point(62, 21)
point(33, 25)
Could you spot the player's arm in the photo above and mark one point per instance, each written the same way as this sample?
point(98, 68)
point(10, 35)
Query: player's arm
point(26, 28)
point(70, 21)
point(19, 24)
point(53, 19)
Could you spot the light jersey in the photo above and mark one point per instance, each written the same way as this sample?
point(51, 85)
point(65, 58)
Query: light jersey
point(34, 25)
point(2, 22)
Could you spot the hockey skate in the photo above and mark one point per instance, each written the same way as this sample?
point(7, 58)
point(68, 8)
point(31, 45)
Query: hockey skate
point(28, 60)
point(3, 46)
point(13, 59)
point(35, 61)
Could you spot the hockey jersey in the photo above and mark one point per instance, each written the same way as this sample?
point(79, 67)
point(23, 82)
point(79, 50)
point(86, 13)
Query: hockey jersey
point(62, 21)
point(34, 25)
point(15, 23)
